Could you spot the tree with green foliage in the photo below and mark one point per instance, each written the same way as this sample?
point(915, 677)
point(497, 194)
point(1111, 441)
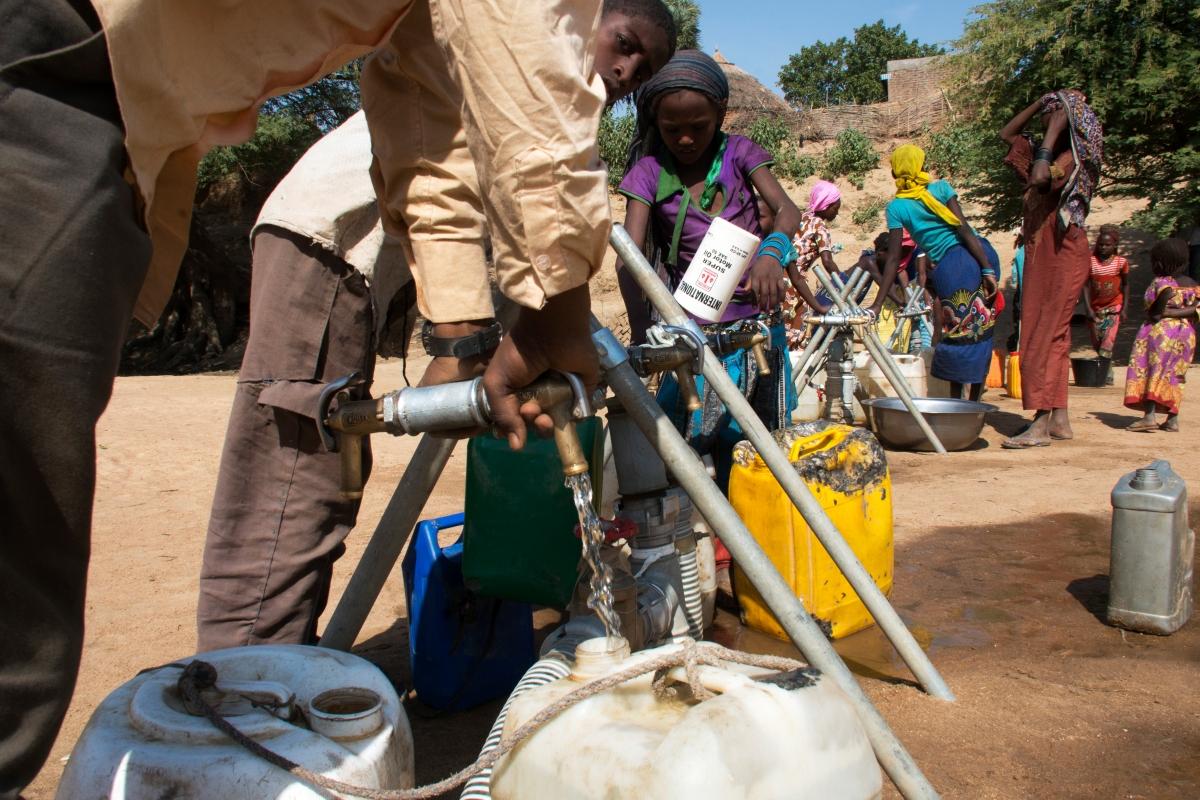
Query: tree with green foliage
point(1138, 64)
point(617, 129)
point(287, 126)
point(772, 134)
point(845, 70)
point(687, 22)
point(852, 155)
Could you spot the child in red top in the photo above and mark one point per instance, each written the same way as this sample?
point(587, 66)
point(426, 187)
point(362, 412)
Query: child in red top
point(1104, 292)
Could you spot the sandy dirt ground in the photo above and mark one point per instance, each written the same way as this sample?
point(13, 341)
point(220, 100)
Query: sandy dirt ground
point(1001, 570)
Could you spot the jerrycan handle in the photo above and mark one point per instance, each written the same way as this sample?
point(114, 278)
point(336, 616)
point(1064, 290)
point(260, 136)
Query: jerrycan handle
point(427, 548)
point(810, 444)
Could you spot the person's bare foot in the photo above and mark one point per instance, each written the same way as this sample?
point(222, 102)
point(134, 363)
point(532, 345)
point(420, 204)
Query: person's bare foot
point(1036, 435)
point(1171, 425)
point(1142, 425)
point(1060, 425)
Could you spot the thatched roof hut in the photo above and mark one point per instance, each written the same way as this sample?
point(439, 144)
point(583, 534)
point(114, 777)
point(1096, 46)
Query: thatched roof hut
point(749, 99)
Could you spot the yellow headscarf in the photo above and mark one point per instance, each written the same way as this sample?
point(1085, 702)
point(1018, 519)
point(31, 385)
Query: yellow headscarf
point(908, 162)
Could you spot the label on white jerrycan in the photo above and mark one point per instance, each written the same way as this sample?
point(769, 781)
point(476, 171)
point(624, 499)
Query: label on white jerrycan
point(715, 271)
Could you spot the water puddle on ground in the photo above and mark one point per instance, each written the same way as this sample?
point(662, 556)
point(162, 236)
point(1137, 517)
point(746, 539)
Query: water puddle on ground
point(868, 653)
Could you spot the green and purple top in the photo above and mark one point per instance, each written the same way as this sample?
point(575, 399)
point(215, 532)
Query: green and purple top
point(654, 182)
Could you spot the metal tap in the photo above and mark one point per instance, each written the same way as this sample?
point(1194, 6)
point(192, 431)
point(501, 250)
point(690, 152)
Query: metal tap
point(457, 406)
point(563, 397)
point(751, 334)
point(351, 421)
point(674, 348)
point(838, 319)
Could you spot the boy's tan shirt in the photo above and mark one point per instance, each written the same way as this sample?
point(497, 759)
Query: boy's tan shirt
point(191, 74)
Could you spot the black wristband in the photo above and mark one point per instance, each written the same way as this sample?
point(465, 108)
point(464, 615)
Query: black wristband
point(474, 344)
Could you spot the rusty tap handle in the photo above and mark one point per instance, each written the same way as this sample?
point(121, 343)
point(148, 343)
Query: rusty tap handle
point(690, 347)
point(340, 435)
point(563, 397)
point(758, 349)
point(329, 425)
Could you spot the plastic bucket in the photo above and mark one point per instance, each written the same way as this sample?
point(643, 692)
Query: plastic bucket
point(711, 279)
point(911, 367)
point(1091, 371)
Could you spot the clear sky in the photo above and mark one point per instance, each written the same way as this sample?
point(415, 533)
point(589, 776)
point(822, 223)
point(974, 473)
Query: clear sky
point(759, 35)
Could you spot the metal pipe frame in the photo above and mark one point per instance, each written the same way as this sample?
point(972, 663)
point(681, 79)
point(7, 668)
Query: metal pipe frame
point(795, 488)
point(387, 542)
point(910, 311)
point(884, 359)
point(688, 470)
point(821, 339)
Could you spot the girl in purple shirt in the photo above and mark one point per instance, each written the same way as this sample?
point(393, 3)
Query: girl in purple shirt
point(688, 173)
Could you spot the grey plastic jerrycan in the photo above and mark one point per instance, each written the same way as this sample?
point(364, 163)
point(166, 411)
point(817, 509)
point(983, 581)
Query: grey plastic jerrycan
point(1150, 570)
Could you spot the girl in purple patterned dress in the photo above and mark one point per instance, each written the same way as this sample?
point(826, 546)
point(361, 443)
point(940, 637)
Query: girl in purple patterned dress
point(1165, 343)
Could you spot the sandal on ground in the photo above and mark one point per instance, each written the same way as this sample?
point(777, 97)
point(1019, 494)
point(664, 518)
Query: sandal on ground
point(1141, 426)
point(1024, 444)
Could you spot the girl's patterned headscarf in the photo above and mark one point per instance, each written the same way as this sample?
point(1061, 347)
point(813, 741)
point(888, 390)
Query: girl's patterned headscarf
point(687, 70)
point(1087, 145)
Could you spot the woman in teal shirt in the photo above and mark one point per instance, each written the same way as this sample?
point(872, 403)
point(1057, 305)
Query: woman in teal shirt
point(965, 270)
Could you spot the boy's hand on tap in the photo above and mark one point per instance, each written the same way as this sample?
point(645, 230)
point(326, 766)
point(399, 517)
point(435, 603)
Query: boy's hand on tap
point(555, 336)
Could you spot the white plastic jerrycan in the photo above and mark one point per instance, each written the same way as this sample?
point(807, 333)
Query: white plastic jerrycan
point(713, 276)
point(795, 737)
point(330, 712)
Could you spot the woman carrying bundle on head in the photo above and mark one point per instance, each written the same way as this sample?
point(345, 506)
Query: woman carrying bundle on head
point(1059, 178)
point(687, 173)
point(965, 271)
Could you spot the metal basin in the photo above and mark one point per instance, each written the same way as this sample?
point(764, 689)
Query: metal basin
point(957, 423)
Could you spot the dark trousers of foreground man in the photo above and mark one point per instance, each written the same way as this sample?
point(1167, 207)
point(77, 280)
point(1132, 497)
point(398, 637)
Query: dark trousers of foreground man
point(72, 259)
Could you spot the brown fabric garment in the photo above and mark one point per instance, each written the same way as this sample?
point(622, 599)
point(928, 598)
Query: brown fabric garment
point(1057, 265)
point(71, 260)
point(192, 74)
point(278, 521)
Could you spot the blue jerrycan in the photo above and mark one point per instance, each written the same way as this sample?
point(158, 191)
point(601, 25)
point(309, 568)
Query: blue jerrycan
point(465, 648)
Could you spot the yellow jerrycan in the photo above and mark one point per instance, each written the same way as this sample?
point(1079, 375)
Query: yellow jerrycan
point(847, 471)
point(1013, 375)
point(995, 376)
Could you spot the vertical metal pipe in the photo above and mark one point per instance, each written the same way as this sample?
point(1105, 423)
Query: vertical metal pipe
point(393, 530)
point(687, 468)
point(884, 359)
point(795, 488)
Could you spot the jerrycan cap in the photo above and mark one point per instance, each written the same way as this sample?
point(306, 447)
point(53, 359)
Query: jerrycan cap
point(617, 529)
point(1146, 478)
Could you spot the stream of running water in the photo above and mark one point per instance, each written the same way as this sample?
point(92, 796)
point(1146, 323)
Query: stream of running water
point(600, 595)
